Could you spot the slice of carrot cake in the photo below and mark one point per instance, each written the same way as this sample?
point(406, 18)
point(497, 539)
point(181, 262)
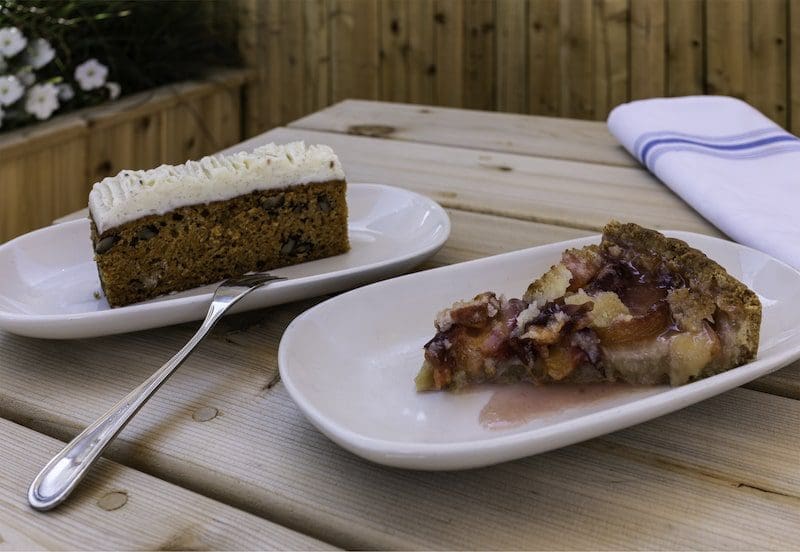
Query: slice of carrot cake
point(177, 227)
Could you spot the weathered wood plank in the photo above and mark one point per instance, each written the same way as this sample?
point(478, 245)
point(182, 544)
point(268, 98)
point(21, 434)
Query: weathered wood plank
point(421, 52)
point(512, 56)
point(768, 59)
point(544, 58)
point(610, 45)
point(479, 54)
point(648, 49)
point(577, 59)
point(317, 55)
point(685, 47)
point(581, 195)
point(727, 40)
point(119, 508)
point(251, 41)
point(12, 183)
point(794, 66)
point(528, 135)
point(394, 50)
point(354, 49)
point(449, 46)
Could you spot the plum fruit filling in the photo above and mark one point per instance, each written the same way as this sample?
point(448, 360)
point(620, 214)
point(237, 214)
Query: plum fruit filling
point(639, 308)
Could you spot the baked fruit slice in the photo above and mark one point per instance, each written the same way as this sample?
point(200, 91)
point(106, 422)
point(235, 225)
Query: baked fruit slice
point(640, 308)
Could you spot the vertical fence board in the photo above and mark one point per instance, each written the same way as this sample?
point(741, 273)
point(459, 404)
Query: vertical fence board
point(544, 65)
point(577, 59)
point(252, 46)
point(610, 55)
point(70, 187)
point(146, 140)
point(512, 56)
point(479, 54)
point(37, 195)
point(394, 50)
point(648, 49)
point(12, 193)
point(354, 40)
point(685, 47)
point(317, 62)
point(449, 46)
point(727, 40)
point(794, 65)
point(110, 150)
point(421, 55)
point(766, 87)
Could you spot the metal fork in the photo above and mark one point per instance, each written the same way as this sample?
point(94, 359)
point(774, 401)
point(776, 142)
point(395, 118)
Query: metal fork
point(63, 473)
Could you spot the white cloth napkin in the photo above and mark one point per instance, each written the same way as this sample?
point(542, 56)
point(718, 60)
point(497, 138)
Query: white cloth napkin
point(732, 164)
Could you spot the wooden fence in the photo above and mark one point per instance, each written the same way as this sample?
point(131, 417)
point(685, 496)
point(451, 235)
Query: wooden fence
point(47, 170)
point(568, 58)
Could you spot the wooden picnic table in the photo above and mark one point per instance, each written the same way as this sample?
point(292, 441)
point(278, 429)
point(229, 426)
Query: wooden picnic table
point(222, 458)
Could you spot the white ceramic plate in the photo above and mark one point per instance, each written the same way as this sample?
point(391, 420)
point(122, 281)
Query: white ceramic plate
point(49, 278)
point(356, 382)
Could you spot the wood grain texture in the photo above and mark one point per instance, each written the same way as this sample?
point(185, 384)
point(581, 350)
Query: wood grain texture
point(449, 47)
point(544, 58)
point(479, 54)
point(119, 508)
point(768, 59)
point(685, 47)
point(794, 65)
point(354, 55)
point(512, 56)
point(577, 59)
point(648, 49)
point(522, 187)
point(610, 45)
point(727, 41)
point(395, 50)
point(529, 135)
point(569, 58)
point(422, 69)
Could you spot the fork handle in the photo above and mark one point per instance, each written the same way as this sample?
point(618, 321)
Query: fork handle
point(63, 473)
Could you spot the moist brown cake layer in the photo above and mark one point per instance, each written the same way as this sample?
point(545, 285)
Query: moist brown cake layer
point(201, 244)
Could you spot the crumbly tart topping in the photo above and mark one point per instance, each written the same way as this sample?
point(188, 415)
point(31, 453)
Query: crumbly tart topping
point(131, 195)
point(640, 308)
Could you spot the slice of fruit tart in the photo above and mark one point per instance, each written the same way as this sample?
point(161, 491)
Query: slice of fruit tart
point(639, 308)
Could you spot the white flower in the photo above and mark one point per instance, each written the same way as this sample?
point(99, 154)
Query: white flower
point(65, 92)
point(10, 89)
point(12, 41)
point(26, 77)
point(42, 100)
point(39, 53)
point(114, 90)
point(91, 74)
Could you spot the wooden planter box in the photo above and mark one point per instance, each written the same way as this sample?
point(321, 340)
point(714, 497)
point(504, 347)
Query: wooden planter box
point(47, 170)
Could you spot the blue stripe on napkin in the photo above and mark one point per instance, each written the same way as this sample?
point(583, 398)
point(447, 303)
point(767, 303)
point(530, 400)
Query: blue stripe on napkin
point(654, 144)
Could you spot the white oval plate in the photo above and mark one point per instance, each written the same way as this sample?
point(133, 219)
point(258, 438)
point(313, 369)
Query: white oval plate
point(349, 364)
point(49, 278)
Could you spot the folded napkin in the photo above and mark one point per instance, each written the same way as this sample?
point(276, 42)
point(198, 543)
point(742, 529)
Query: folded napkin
point(732, 164)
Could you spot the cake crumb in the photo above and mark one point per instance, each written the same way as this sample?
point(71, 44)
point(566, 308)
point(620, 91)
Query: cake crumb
point(97, 295)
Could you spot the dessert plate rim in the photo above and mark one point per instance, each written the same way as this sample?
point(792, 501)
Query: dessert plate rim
point(192, 304)
point(472, 453)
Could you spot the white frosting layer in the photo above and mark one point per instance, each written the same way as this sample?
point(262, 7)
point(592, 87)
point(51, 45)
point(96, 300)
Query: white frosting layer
point(131, 195)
